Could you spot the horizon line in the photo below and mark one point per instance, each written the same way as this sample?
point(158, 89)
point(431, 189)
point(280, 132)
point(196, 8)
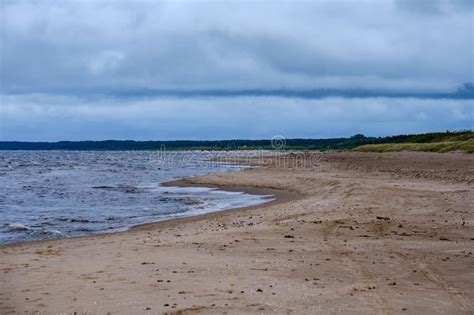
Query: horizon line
point(275, 138)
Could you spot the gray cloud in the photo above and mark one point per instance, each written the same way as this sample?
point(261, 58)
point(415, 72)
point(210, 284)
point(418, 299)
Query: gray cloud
point(436, 7)
point(49, 46)
point(153, 69)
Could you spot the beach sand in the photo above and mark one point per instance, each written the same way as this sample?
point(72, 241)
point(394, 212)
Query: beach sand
point(349, 233)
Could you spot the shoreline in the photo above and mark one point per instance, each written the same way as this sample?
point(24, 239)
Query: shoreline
point(352, 233)
point(279, 196)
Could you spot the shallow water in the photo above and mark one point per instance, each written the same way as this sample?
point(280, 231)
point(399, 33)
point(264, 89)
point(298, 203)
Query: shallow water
point(55, 194)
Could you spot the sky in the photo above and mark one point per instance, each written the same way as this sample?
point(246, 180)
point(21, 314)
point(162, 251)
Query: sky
point(162, 70)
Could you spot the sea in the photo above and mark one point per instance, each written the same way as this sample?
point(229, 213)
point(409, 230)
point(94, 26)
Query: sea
point(60, 194)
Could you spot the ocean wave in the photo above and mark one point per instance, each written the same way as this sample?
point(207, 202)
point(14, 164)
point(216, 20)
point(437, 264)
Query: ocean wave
point(84, 221)
point(122, 188)
point(83, 193)
point(18, 227)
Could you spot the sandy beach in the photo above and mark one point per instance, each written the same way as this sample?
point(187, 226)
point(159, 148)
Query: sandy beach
point(359, 233)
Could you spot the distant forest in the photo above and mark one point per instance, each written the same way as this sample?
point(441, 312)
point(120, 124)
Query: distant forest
point(275, 144)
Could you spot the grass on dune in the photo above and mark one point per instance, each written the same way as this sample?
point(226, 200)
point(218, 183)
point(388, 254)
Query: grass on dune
point(466, 146)
point(440, 137)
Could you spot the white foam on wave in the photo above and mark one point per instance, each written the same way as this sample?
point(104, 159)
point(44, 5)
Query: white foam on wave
point(18, 227)
point(220, 200)
point(184, 190)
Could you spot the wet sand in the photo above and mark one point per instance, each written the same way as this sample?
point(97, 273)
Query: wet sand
point(348, 233)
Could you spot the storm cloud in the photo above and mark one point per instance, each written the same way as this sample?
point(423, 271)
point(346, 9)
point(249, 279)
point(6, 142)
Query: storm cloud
point(63, 57)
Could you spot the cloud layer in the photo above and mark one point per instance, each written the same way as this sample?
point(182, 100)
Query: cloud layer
point(71, 45)
point(42, 117)
point(233, 69)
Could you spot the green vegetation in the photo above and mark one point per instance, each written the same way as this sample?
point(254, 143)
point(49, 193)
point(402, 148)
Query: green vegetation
point(441, 137)
point(434, 142)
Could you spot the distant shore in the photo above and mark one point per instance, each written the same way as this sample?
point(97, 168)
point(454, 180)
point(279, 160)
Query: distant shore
point(347, 232)
point(449, 141)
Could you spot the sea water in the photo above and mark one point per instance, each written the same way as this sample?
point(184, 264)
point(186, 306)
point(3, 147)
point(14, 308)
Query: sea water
point(56, 194)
